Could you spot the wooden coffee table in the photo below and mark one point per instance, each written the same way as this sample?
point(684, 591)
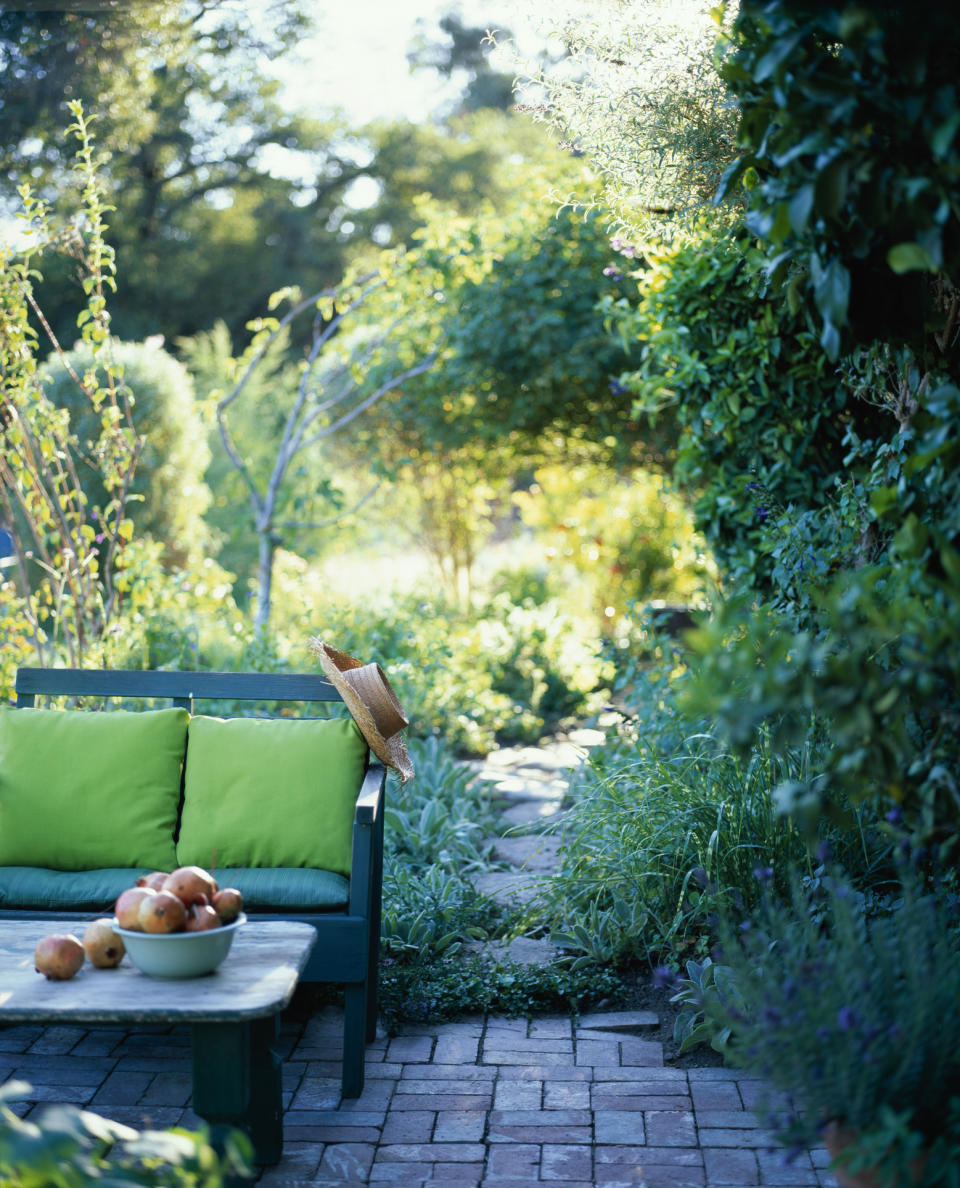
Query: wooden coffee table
point(233, 1013)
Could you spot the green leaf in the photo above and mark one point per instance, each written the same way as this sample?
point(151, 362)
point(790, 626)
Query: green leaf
point(800, 206)
point(943, 136)
point(950, 560)
point(830, 189)
point(910, 257)
point(883, 499)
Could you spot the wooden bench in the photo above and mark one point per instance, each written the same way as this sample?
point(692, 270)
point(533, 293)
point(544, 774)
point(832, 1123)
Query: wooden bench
point(348, 936)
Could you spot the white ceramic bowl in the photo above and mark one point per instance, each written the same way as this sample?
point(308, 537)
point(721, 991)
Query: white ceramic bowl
point(179, 954)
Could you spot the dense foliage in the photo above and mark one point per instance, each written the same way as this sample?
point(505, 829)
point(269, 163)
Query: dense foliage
point(71, 1148)
point(167, 494)
point(850, 155)
point(761, 418)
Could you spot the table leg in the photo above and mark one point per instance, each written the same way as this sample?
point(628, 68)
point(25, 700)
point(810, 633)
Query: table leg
point(237, 1082)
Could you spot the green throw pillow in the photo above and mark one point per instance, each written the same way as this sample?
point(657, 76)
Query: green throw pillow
point(271, 792)
point(82, 791)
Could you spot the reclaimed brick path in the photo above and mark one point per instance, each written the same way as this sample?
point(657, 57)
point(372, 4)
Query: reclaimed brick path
point(505, 1102)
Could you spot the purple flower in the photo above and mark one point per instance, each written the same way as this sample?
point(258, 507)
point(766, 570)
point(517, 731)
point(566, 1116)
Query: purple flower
point(100, 538)
point(824, 853)
point(617, 388)
point(762, 513)
point(763, 874)
point(625, 249)
point(753, 486)
point(895, 816)
point(613, 272)
point(663, 977)
point(846, 1018)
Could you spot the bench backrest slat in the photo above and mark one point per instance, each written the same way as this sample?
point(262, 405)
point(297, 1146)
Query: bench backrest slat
point(182, 687)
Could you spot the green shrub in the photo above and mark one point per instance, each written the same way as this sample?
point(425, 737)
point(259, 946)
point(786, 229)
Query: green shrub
point(669, 825)
point(168, 492)
point(422, 992)
point(756, 403)
point(622, 539)
point(503, 673)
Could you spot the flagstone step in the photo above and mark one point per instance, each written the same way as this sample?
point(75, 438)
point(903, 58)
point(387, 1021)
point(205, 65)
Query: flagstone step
point(537, 853)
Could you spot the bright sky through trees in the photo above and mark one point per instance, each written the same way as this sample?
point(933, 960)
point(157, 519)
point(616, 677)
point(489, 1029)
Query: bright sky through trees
point(358, 58)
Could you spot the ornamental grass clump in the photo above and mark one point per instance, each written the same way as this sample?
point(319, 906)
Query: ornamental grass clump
point(856, 1019)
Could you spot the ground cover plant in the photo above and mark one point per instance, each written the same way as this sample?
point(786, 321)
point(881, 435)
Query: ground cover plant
point(435, 827)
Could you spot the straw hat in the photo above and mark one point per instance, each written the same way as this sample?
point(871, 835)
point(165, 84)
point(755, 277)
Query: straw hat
point(370, 698)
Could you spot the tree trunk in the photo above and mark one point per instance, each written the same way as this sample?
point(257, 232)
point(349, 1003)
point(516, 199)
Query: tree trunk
point(267, 547)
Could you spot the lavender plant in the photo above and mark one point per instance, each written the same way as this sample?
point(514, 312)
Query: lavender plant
point(855, 1018)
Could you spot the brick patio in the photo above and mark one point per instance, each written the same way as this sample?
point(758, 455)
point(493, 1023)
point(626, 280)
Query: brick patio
point(490, 1101)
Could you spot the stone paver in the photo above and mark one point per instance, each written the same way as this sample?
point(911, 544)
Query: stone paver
point(494, 1101)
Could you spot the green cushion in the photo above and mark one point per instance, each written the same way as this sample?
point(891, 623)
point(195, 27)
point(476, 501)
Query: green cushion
point(83, 791)
point(268, 792)
point(29, 887)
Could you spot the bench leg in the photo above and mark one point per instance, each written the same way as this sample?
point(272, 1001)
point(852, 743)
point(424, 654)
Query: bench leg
point(354, 1038)
point(237, 1083)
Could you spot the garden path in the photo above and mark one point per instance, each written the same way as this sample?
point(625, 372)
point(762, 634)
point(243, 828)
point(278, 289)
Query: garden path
point(486, 1101)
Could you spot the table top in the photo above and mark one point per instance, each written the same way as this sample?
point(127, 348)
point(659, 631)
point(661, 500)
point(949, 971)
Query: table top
point(257, 979)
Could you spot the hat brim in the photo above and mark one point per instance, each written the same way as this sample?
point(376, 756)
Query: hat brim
point(335, 665)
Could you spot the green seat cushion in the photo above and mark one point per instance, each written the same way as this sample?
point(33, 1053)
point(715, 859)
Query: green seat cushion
point(271, 792)
point(30, 887)
point(85, 791)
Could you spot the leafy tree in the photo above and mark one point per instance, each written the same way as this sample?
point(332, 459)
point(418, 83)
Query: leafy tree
point(849, 136)
point(222, 196)
point(509, 299)
point(638, 94)
point(331, 393)
point(463, 162)
point(194, 129)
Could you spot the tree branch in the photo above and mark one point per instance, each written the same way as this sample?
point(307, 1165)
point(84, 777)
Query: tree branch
point(389, 386)
point(317, 524)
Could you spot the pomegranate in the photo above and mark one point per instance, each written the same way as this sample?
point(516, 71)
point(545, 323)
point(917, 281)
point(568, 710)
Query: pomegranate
point(187, 882)
point(154, 880)
point(228, 904)
point(103, 947)
point(162, 912)
point(201, 918)
point(58, 957)
point(127, 907)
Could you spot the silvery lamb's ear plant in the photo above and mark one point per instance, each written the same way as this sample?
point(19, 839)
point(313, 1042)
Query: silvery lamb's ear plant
point(706, 982)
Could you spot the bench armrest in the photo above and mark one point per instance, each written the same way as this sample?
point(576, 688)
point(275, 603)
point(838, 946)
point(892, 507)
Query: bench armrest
point(369, 803)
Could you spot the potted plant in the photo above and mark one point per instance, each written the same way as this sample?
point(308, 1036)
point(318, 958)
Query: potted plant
point(856, 1018)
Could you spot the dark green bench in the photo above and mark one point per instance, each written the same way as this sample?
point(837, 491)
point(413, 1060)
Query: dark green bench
point(344, 911)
